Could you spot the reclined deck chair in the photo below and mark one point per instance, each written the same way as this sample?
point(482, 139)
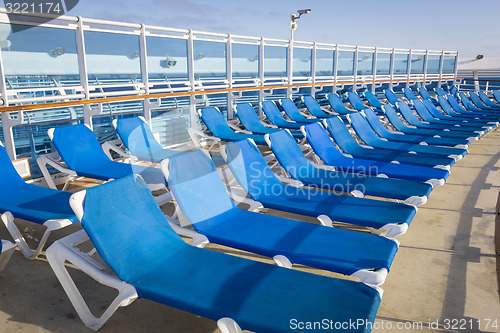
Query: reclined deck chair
point(461, 120)
point(326, 150)
point(391, 96)
point(424, 113)
point(355, 101)
point(412, 119)
point(294, 162)
point(452, 137)
point(314, 108)
point(383, 132)
point(487, 101)
point(133, 237)
point(287, 241)
point(249, 119)
point(409, 94)
point(444, 102)
point(79, 148)
point(366, 133)
point(32, 203)
point(256, 178)
point(6, 251)
point(439, 91)
point(346, 142)
point(496, 95)
point(136, 135)
point(424, 93)
point(374, 101)
point(293, 112)
point(477, 101)
point(337, 105)
point(274, 115)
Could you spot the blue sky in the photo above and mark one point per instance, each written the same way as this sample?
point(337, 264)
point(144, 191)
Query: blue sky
point(471, 27)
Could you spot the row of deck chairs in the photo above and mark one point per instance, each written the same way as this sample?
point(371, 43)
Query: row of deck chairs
point(141, 244)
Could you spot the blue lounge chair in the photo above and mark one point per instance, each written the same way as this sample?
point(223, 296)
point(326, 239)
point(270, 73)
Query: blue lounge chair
point(374, 101)
point(314, 108)
point(346, 142)
point(410, 96)
point(412, 119)
point(471, 107)
point(487, 101)
point(324, 147)
point(424, 113)
point(249, 119)
point(32, 203)
point(214, 215)
point(132, 236)
point(256, 178)
point(425, 94)
point(391, 96)
point(79, 148)
point(216, 124)
point(6, 251)
point(274, 115)
point(469, 116)
point(496, 95)
point(366, 133)
point(468, 121)
point(355, 100)
point(453, 90)
point(453, 138)
point(293, 112)
point(455, 104)
point(337, 105)
point(477, 101)
point(136, 135)
point(383, 132)
point(294, 162)
point(439, 91)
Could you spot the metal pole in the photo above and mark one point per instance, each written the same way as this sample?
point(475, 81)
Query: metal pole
point(290, 64)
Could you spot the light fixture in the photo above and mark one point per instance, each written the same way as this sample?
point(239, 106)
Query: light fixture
point(479, 57)
point(295, 17)
point(57, 52)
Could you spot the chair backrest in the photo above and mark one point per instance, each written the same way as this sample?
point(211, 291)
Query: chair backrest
point(391, 96)
point(197, 187)
point(321, 143)
point(422, 111)
point(248, 117)
point(375, 123)
point(445, 105)
point(409, 94)
point(424, 93)
point(137, 136)
point(496, 94)
point(340, 134)
point(289, 154)
point(273, 113)
point(455, 104)
point(393, 117)
point(337, 104)
point(8, 173)
point(433, 110)
point(127, 227)
point(408, 114)
point(363, 128)
point(476, 100)
point(373, 100)
point(467, 102)
point(313, 106)
point(215, 122)
point(440, 91)
point(355, 101)
point(453, 90)
point(79, 147)
point(291, 109)
point(251, 170)
point(485, 99)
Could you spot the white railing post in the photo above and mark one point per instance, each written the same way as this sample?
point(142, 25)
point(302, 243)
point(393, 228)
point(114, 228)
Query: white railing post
point(7, 121)
point(391, 68)
point(261, 73)
point(147, 105)
point(408, 68)
point(289, 66)
point(190, 60)
point(475, 75)
point(355, 69)
point(335, 63)
point(426, 58)
point(229, 75)
point(313, 68)
point(441, 62)
point(374, 68)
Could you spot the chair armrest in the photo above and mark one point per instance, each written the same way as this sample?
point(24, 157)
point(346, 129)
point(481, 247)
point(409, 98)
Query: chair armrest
point(195, 134)
point(50, 159)
point(113, 145)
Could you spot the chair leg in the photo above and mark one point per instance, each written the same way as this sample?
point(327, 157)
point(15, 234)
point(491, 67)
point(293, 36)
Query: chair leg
point(65, 250)
point(227, 325)
point(8, 249)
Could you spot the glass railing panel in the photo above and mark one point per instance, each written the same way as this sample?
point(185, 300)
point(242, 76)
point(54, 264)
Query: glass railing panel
point(384, 63)
point(167, 59)
point(449, 64)
point(433, 62)
point(365, 63)
point(275, 58)
point(400, 63)
point(324, 62)
point(302, 62)
point(209, 60)
point(345, 63)
point(417, 63)
point(245, 61)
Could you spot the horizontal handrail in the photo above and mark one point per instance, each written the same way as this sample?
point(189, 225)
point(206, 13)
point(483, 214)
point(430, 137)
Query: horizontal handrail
point(57, 105)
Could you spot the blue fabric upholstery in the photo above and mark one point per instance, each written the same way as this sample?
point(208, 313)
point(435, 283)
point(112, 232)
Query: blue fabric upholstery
point(324, 147)
point(479, 103)
point(293, 112)
point(461, 120)
point(355, 101)
point(467, 103)
point(81, 151)
point(440, 91)
point(409, 94)
point(314, 108)
point(373, 100)
point(30, 202)
point(247, 116)
point(218, 126)
point(487, 101)
point(299, 167)
point(496, 95)
point(301, 242)
point(391, 96)
point(140, 141)
point(255, 176)
point(337, 104)
point(424, 93)
point(132, 236)
point(366, 133)
point(274, 115)
point(346, 142)
point(379, 128)
point(397, 123)
point(469, 116)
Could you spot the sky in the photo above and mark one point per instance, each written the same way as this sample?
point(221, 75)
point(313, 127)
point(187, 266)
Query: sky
point(471, 27)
